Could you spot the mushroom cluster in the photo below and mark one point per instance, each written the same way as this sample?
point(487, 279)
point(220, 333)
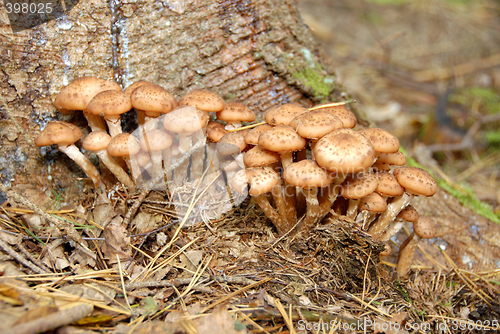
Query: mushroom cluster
point(300, 165)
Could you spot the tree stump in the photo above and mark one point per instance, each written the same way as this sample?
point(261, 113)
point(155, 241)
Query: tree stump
point(257, 52)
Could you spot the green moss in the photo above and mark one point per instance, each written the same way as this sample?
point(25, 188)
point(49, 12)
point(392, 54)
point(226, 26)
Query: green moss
point(320, 85)
point(465, 195)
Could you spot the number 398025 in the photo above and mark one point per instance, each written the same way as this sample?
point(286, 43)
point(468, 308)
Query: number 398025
point(28, 8)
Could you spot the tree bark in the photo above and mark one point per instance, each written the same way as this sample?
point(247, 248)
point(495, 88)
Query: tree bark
point(257, 52)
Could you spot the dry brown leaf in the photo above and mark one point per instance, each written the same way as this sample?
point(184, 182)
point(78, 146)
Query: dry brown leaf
point(117, 241)
point(219, 321)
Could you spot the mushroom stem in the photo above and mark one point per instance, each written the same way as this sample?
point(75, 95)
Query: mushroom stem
point(156, 160)
point(269, 211)
point(213, 157)
point(393, 209)
point(185, 142)
point(312, 213)
point(286, 159)
point(74, 153)
point(150, 122)
point(332, 191)
point(406, 252)
point(289, 197)
point(114, 125)
point(96, 123)
point(198, 156)
point(352, 210)
point(116, 169)
point(393, 228)
point(167, 161)
point(134, 168)
point(277, 193)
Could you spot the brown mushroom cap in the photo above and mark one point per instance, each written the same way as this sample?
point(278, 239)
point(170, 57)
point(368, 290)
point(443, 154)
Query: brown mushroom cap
point(215, 131)
point(77, 95)
point(142, 158)
point(307, 174)
point(373, 203)
point(284, 114)
point(425, 227)
point(258, 157)
point(262, 180)
point(315, 124)
point(344, 151)
point(239, 181)
point(109, 103)
point(416, 181)
point(156, 140)
point(123, 145)
point(231, 143)
point(236, 112)
point(409, 214)
point(135, 85)
point(153, 99)
point(359, 186)
point(345, 115)
point(397, 158)
point(252, 138)
point(185, 119)
point(281, 138)
point(382, 140)
point(96, 141)
point(203, 99)
point(388, 185)
point(60, 133)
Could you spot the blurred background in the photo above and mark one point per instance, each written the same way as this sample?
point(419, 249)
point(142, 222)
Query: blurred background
point(429, 72)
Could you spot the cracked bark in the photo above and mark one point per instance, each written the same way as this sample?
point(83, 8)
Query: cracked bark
point(258, 52)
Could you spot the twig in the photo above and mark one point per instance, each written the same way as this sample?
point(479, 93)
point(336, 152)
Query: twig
point(32, 259)
point(52, 321)
point(20, 259)
point(60, 224)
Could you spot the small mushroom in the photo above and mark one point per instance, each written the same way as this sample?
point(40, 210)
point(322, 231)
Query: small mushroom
point(189, 124)
point(252, 138)
point(307, 175)
point(416, 181)
point(97, 141)
point(284, 114)
point(203, 99)
point(126, 146)
point(284, 140)
point(234, 113)
point(77, 95)
point(261, 181)
point(356, 187)
point(345, 115)
point(382, 140)
point(369, 206)
point(155, 142)
point(150, 101)
point(315, 124)
point(64, 135)
point(423, 228)
point(408, 214)
point(110, 104)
